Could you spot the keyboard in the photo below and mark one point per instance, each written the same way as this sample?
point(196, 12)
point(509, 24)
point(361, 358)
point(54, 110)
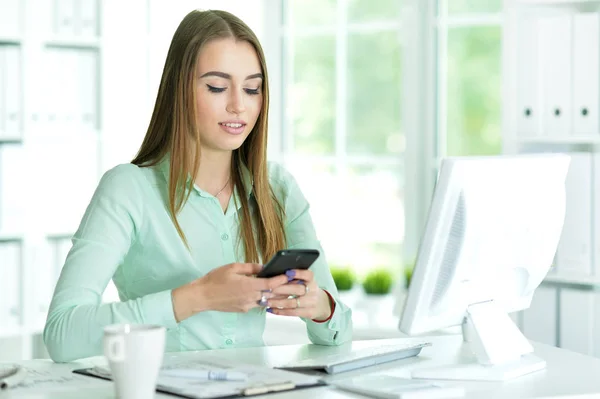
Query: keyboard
point(341, 362)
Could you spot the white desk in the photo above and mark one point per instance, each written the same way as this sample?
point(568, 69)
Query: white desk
point(568, 374)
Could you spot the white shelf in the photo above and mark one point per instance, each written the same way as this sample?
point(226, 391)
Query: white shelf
point(71, 42)
point(573, 281)
point(556, 2)
point(10, 237)
point(11, 139)
point(59, 236)
point(10, 39)
point(559, 140)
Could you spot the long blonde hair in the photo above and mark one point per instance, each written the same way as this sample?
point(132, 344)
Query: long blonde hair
point(173, 122)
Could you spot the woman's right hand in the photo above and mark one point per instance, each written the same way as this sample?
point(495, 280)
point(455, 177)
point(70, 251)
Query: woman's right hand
point(229, 288)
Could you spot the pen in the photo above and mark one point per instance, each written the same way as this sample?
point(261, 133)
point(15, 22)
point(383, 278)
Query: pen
point(215, 375)
point(14, 377)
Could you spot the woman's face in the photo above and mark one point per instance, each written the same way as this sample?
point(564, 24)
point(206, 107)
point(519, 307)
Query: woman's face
point(228, 93)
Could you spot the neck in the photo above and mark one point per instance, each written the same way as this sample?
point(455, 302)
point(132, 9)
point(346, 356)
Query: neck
point(214, 171)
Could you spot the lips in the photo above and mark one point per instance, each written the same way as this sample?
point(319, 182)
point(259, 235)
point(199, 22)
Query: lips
point(233, 127)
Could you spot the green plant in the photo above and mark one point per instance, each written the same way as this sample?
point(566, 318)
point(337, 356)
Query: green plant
point(408, 272)
point(343, 277)
point(408, 275)
point(378, 282)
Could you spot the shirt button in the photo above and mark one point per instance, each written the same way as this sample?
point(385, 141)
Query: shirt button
point(224, 236)
point(229, 342)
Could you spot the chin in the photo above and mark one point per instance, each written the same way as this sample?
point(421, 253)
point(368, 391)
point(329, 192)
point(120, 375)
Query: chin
point(230, 145)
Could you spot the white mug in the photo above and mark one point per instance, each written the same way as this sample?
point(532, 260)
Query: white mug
point(135, 355)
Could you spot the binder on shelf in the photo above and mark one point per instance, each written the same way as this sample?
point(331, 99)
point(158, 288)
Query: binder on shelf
point(71, 105)
point(3, 90)
point(539, 321)
point(12, 187)
point(576, 320)
point(10, 18)
point(50, 111)
point(64, 17)
point(74, 76)
point(554, 38)
point(12, 92)
point(596, 325)
point(574, 253)
point(586, 68)
point(59, 153)
point(528, 101)
point(87, 85)
point(43, 262)
point(596, 220)
point(10, 284)
point(87, 18)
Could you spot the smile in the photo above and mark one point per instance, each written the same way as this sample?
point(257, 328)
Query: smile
point(234, 128)
point(234, 125)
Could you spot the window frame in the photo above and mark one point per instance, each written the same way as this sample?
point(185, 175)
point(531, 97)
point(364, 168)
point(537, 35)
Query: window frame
point(424, 26)
point(426, 127)
point(278, 48)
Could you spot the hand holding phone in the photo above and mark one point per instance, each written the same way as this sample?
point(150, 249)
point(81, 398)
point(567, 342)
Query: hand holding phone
point(289, 259)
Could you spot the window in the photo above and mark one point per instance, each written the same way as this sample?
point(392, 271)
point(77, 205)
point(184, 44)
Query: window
point(469, 67)
point(342, 138)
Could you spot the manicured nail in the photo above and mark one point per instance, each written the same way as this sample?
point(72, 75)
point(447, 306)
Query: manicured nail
point(269, 310)
point(290, 274)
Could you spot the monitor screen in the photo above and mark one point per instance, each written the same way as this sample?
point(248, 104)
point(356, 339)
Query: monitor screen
point(491, 235)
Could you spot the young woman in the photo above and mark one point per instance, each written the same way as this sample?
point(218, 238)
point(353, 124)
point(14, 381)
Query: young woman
point(186, 225)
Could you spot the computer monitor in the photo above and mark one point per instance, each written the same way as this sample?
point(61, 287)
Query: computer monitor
point(490, 238)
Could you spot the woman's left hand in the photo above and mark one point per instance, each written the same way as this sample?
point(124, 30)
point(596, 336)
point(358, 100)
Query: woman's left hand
point(301, 297)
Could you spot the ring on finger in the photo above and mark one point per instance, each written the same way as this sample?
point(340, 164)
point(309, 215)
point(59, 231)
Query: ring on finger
point(297, 302)
point(263, 301)
point(306, 289)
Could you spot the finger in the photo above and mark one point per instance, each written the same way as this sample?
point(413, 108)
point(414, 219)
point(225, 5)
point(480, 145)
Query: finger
point(295, 287)
point(299, 274)
point(267, 284)
point(247, 269)
point(263, 298)
point(291, 303)
point(306, 313)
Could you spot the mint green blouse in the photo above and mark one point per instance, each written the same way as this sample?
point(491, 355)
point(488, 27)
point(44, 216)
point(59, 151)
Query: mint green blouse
point(127, 235)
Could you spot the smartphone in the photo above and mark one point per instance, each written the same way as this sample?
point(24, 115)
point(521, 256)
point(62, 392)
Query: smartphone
point(288, 259)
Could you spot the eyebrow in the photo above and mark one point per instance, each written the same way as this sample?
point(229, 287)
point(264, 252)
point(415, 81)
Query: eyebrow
point(228, 76)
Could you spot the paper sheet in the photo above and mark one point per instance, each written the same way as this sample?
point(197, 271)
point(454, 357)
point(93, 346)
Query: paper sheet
point(258, 376)
point(59, 378)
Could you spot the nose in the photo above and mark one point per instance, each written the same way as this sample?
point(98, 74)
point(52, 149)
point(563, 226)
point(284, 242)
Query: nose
point(236, 102)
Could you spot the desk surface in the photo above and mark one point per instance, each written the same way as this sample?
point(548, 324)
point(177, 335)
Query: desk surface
point(568, 373)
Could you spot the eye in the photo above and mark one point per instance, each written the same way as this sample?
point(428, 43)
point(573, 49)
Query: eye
point(213, 89)
point(251, 91)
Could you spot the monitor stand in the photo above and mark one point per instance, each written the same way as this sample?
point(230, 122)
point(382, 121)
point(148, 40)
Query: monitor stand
point(501, 352)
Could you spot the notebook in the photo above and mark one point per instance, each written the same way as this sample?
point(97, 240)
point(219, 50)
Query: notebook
point(261, 379)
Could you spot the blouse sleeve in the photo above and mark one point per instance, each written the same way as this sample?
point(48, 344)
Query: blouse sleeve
point(300, 233)
point(76, 318)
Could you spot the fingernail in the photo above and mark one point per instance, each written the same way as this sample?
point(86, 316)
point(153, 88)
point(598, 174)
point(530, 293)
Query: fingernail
point(290, 274)
point(269, 310)
point(299, 282)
